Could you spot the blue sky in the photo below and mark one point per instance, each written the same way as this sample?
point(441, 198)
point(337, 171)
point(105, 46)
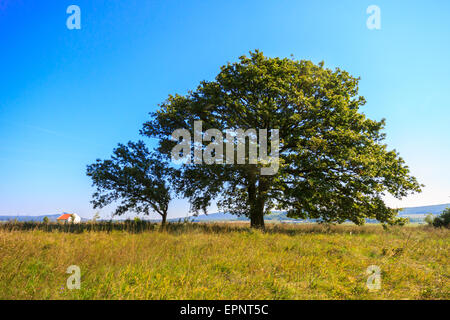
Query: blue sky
point(68, 97)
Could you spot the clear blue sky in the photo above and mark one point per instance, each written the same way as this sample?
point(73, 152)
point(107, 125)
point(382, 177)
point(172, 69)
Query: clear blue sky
point(68, 97)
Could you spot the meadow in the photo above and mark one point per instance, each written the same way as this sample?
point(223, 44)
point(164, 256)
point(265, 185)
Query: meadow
point(222, 261)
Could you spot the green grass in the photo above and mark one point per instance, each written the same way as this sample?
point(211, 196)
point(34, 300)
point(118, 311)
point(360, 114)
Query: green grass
point(224, 261)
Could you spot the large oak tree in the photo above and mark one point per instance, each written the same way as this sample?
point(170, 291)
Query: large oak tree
point(334, 165)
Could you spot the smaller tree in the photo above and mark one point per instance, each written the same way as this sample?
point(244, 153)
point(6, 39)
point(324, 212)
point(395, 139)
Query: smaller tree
point(135, 177)
point(45, 220)
point(429, 219)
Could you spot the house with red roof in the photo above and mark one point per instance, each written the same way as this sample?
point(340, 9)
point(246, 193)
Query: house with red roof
point(69, 217)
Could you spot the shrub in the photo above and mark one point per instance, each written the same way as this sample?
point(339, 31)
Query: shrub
point(443, 220)
point(429, 219)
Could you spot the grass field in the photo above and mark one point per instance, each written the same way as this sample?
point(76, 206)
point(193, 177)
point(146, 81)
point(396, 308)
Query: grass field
point(226, 261)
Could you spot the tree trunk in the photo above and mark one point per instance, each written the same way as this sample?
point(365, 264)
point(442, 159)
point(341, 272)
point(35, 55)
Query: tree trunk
point(256, 202)
point(257, 218)
point(163, 222)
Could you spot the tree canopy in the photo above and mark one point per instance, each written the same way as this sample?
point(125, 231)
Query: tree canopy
point(134, 176)
point(333, 164)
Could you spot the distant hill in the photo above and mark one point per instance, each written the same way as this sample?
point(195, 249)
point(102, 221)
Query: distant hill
point(40, 218)
point(219, 216)
point(51, 217)
point(416, 214)
point(434, 209)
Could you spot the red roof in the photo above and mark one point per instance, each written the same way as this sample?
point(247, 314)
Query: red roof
point(65, 216)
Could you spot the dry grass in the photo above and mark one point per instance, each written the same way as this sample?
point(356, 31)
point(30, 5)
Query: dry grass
point(226, 261)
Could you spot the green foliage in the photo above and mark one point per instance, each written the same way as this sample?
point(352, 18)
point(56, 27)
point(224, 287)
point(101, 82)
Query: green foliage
point(429, 219)
point(443, 220)
point(133, 176)
point(333, 163)
point(45, 220)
